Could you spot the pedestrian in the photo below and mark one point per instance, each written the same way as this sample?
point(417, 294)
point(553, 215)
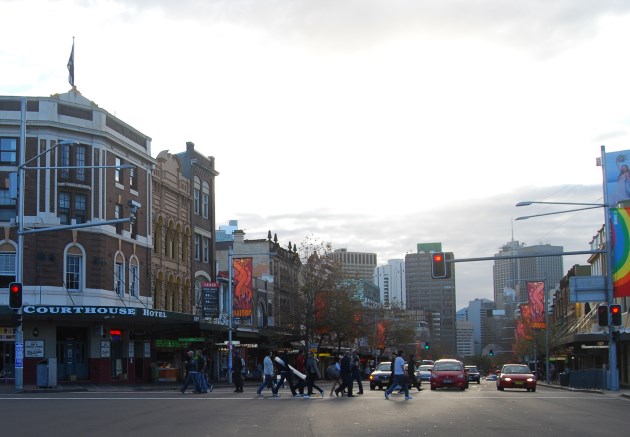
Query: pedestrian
point(411, 373)
point(399, 377)
point(202, 365)
point(300, 365)
point(267, 376)
point(285, 373)
point(356, 370)
point(334, 373)
point(312, 373)
point(346, 375)
point(191, 373)
point(237, 372)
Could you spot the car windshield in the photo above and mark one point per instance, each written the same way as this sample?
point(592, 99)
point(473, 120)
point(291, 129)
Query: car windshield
point(447, 366)
point(386, 366)
point(516, 369)
point(472, 369)
point(425, 368)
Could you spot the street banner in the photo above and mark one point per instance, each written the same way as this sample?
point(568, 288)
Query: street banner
point(617, 177)
point(242, 268)
point(536, 294)
point(620, 230)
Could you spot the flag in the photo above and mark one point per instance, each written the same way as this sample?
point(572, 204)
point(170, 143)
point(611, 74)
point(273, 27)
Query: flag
point(71, 66)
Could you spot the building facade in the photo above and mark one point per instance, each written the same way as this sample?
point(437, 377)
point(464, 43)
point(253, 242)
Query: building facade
point(356, 265)
point(390, 279)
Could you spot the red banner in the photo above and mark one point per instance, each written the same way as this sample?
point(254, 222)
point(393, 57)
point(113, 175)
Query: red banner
point(536, 293)
point(243, 296)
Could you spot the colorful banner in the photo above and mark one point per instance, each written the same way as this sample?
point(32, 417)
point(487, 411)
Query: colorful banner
point(243, 295)
point(620, 241)
point(536, 294)
point(617, 177)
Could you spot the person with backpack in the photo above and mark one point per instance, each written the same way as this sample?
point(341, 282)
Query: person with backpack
point(334, 372)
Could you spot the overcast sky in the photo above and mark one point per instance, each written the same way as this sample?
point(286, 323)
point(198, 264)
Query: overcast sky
point(372, 124)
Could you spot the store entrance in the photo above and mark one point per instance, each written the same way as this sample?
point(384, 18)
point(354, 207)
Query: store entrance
point(72, 353)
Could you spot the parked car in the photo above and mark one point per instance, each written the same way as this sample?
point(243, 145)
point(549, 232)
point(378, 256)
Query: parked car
point(424, 372)
point(473, 374)
point(381, 376)
point(516, 376)
point(448, 373)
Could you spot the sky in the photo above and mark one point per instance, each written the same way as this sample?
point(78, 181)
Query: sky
point(374, 125)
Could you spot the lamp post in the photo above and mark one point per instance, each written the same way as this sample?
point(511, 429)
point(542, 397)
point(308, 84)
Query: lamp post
point(613, 381)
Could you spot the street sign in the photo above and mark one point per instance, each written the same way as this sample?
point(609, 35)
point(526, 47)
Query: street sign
point(587, 289)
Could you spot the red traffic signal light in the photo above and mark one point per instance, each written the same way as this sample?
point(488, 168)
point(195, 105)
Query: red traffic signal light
point(602, 315)
point(615, 315)
point(15, 295)
point(439, 267)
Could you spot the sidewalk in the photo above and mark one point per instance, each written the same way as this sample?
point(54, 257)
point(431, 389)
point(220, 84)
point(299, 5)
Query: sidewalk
point(623, 391)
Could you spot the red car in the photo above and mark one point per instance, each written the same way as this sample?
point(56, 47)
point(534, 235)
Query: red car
point(449, 373)
point(516, 376)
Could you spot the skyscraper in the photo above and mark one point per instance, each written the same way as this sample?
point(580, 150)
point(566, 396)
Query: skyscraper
point(391, 282)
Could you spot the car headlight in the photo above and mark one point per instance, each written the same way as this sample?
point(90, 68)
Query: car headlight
point(530, 379)
point(507, 379)
point(461, 376)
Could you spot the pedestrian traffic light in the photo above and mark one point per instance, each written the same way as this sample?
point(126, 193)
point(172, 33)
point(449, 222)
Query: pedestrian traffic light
point(491, 353)
point(15, 295)
point(440, 269)
point(615, 315)
point(602, 315)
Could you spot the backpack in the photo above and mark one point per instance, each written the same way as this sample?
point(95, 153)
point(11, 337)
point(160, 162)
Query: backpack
point(333, 372)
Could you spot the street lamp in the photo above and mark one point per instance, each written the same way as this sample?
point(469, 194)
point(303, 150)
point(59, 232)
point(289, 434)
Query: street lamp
point(612, 351)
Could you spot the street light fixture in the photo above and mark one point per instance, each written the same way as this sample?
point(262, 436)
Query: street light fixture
point(612, 351)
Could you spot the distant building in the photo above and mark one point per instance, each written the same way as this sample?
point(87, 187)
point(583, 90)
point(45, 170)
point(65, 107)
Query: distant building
point(356, 265)
point(478, 312)
point(465, 340)
point(437, 296)
point(390, 279)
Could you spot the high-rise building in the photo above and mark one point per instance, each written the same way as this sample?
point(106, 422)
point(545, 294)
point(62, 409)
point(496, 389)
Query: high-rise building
point(512, 274)
point(478, 312)
point(465, 341)
point(437, 296)
point(391, 282)
point(356, 265)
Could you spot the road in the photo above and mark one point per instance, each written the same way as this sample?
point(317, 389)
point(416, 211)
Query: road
point(480, 410)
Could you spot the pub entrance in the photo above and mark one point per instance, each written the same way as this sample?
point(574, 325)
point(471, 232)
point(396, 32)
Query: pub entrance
point(72, 347)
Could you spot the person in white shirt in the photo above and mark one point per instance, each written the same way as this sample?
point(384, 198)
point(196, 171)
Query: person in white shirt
point(399, 376)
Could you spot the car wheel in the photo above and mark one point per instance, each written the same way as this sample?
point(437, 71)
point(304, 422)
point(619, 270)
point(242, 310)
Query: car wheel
point(372, 387)
point(463, 388)
point(533, 389)
point(432, 388)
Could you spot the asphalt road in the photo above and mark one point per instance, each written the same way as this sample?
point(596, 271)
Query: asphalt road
point(480, 410)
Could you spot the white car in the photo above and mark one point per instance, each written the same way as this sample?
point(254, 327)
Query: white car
point(423, 372)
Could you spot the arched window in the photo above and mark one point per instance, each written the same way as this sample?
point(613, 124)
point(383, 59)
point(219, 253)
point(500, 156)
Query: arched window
point(134, 276)
point(119, 274)
point(186, 246)
point(178, 242)
point(261, 316)
point(197, 195)
point(74, 267)
point(205, 199)
point(8, 252)
point(170, 239)
point(170, 293)
point(159, 229)
point(158, 291)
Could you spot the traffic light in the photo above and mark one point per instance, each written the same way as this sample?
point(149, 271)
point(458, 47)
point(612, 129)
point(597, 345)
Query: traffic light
point(491, 353)
point(426, 345)
point(440, 269)
point(15, 295)
point(615, 315)
point(602, 315)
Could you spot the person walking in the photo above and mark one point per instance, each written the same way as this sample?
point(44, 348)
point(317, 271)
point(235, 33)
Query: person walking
point(346, 375)
point(312, 373)
point(267, 376)
point(334, 373)
point(237, 372)
point(399, 376)
point(356, 370)
point(200, 360)
point(411, 373)
point(300, 365)
point(285, 373)
point(191, 373)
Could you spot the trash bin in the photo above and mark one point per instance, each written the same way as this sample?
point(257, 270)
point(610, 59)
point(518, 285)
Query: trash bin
point(42, 373)
point(564, 379)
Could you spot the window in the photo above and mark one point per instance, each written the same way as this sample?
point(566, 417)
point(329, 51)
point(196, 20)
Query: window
point(74, 265)
point(117, 170)
point(7, 206)
point(8, 150)
point(206, 199)
point(133, 180)
point(64, 208)
point(117, 215)
point(80, 209)
point(119, 275)
point(80, 171)
point(133, 279)
point(65, 161)
point(197, 247)
point(197, 195)
point(206, 249)
point(7, 268)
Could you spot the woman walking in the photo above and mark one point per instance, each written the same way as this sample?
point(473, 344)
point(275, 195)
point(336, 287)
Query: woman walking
point(312, 373)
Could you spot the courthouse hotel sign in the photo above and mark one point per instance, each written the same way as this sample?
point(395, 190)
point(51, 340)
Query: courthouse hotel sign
point(131, 312)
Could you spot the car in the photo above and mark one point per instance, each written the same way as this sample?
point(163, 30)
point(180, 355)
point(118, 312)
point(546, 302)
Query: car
point(516, 376)
point(423, 373)
point(448, 373)
point(491, 377)
point(473, 374)
point(380, 377)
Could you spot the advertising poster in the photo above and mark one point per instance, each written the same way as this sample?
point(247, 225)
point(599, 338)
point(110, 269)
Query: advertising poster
point(620, 237)
point(242, 268)
point(617, 177)
point(536, 294)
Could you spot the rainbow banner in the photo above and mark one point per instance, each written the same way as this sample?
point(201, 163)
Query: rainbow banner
point(620, 230)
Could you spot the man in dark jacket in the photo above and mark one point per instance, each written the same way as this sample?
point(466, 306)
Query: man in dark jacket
point(285, 373)
point(346, 375)
point(191, 373)
point(237, 372)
